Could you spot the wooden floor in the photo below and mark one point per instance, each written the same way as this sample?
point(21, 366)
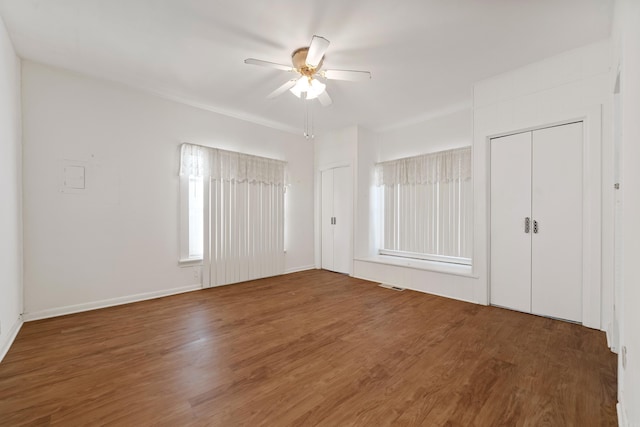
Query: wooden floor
point(310, 348)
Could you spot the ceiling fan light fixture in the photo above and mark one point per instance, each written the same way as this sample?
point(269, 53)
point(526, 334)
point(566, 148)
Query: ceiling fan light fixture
point(312, 88)
point(315, 89)
point(300, 86)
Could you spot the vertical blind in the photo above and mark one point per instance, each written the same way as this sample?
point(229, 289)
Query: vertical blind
point(427, 204)
point(245, 213)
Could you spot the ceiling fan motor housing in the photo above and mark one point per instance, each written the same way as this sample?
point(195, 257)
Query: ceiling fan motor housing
point(299, 60)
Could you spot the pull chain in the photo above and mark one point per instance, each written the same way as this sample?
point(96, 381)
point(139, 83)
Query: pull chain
point(308, 119)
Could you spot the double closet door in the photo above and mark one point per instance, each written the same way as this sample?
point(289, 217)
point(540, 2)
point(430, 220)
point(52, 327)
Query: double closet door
point(337, 202)
point(536, 222)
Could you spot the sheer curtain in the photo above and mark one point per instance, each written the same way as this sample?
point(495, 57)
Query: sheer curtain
point(243, 212)
point(427, 205)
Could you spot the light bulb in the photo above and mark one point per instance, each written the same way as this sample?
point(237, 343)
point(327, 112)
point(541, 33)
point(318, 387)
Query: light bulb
point(312, 88)
point(301, 86)
point(315, 89)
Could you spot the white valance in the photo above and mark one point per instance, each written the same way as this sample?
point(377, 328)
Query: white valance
point(443, 166)
point(223, 165)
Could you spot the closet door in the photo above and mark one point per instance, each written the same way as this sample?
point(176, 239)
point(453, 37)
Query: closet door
point(327, 219)
point(556, 289)
point(337, 214)
point(510, 207)
point(342, 219)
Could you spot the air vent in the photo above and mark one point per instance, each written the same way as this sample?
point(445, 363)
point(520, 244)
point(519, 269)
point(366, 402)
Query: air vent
point(395, 288)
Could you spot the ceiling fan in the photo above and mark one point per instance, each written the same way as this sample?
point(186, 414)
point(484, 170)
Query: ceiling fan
point(307, 62)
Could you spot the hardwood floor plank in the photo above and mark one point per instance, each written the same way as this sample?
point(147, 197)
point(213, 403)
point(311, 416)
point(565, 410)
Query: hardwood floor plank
point(309, 348)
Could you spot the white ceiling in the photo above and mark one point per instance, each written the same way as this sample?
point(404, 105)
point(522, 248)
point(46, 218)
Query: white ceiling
point(424, 55)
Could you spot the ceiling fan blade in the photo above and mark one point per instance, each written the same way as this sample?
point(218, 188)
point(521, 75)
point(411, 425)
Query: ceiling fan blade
point(282, 89)
point(317, 49)
point(325, 99)
point(252, 61)
point(349, 75)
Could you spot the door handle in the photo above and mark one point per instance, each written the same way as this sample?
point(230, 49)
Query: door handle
point(527, 224)
point(535, 227)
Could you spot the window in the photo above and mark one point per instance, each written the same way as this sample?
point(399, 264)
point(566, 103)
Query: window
point(191, 218)
point(244, 238)
point(427, 206)
point(196, 225)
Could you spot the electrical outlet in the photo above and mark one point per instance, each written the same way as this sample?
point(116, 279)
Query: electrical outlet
point(624, 357)
point(196, 274)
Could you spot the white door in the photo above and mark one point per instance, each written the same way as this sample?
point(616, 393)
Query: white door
point(617, 225)
point(510, 208)
point(342, 219)
point(327, 219)
point(537, 176)
point(556, 279)
point(336, 228)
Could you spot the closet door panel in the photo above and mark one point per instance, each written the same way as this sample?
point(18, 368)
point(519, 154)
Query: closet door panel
point(342, 211)
point(510, 205)
point(326, 220)
point(557, 208)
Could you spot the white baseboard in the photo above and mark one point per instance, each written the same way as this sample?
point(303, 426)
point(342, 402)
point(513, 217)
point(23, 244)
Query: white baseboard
point(298, 269)
point(77, 308)
point(622, 419)
point(13, 333)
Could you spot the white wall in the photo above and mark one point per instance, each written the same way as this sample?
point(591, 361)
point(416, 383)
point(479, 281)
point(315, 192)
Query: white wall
point(366, 215)
point(336, 148)
point(10, 194)
point(573, 85)
point(118, 240)
point(437, 134)
point(627, 52)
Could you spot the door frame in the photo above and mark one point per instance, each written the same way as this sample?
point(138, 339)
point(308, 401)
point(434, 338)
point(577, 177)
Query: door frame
point(591, 208)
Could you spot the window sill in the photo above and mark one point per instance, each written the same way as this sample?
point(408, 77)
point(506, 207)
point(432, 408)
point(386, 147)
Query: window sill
point(425, 257)
point(418, 264)
point(189, 262)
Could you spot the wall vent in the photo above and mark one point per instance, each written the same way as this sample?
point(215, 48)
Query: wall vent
point(395, 288)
